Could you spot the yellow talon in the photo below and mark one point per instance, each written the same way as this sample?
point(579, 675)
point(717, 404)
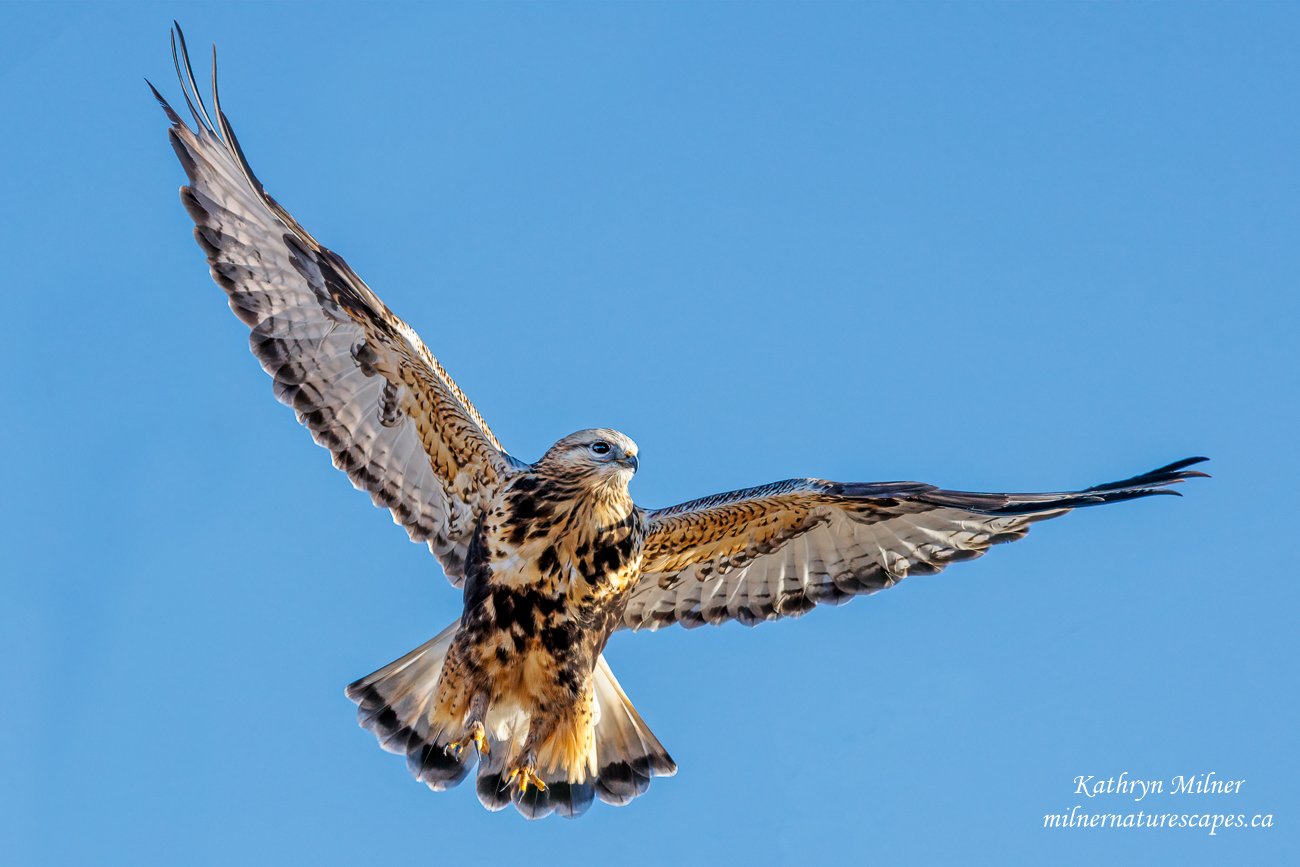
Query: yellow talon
point(475, 736)
point(527, 776)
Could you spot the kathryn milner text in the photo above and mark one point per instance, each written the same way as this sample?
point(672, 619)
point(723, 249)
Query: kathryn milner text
point(1206, 783)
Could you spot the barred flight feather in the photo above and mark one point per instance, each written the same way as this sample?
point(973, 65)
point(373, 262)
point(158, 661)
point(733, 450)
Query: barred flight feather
point(712, 560)
point(355, 375)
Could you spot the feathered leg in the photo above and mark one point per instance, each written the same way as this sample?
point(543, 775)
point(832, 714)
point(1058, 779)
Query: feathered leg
point(475, 732)
point(524, 766)
point(560, 745)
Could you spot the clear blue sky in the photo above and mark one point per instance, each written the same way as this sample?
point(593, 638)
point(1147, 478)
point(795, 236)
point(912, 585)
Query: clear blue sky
point(994, 247)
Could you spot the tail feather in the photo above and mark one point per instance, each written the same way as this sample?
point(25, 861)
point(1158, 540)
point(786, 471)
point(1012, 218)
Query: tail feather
point(627, 752)
point(569, 800)
point(394, 703)
point(628, 755)
point(493, 793)
point(560, 797)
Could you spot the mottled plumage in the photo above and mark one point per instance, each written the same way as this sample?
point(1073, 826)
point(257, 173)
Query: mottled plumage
point(553, 556)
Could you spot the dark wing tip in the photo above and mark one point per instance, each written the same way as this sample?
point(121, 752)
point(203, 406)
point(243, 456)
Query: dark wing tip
point(1149, 484)
point(1185, 462)
point(185, 73)
point(166, 106)
point(1166, 475)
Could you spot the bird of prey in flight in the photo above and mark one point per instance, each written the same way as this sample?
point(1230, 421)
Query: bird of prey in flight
point(552, 556)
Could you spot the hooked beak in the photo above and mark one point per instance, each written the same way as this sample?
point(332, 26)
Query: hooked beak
point(630, 461)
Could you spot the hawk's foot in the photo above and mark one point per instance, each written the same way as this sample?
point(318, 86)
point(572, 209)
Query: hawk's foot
point(475, 735)
point(526, 776)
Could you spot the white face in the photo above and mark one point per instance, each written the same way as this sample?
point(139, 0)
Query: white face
point(600, 451)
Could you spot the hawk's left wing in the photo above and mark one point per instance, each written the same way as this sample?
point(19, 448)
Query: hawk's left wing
point(358, 377)
point(781, 549)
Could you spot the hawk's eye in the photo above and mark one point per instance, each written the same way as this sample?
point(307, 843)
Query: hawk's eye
point(600, 448)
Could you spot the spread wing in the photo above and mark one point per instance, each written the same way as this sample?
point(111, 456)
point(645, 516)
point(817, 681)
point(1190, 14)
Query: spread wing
point(359, 378)
point(781, 549)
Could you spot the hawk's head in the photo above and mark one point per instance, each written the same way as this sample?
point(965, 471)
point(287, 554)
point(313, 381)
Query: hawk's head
point(600, 454)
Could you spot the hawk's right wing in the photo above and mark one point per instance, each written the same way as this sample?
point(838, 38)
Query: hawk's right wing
point(781, 549)
point(358, 377)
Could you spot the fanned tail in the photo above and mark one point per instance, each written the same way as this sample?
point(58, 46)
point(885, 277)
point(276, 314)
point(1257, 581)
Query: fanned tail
point(627, 756)
point(627, 752)
point(394, 704)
